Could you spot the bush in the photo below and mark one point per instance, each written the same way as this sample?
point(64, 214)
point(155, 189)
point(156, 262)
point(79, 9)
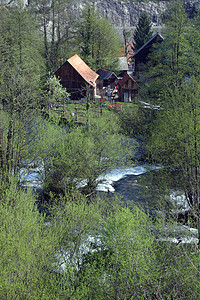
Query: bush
point(28, 247)
point(95, 250)
point(80, 155)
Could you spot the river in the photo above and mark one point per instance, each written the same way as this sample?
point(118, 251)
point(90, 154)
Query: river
point(141, 184)
point(146, 186)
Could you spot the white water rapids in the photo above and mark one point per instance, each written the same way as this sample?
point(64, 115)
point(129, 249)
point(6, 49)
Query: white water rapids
point(184, 234)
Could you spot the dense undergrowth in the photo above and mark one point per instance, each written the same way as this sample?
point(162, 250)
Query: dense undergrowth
point(95, 250)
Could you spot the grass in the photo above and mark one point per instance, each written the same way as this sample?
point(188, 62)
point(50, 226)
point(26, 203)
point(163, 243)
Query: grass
point(78, 112)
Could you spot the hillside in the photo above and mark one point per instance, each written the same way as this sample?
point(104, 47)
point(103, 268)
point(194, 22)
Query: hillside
point(124, 13)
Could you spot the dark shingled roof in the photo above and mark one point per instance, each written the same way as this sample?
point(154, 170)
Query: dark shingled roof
point(125, 78)
point(149, 41)
point(105, 74)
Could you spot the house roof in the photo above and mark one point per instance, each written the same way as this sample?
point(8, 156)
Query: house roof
point(130, 51)
point(148, 42)
point(125, 78)
point(123, 64)
point(84, 70)
point(105, 74)
point(127, 51)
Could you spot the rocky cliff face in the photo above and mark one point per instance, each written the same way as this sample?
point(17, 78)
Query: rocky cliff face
point(126, 13)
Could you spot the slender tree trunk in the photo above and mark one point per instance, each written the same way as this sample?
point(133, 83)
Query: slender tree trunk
point(63, 107)
point(18, 153)
point(58, 24)
point(46, 48)
point(53, 43)
point(2, 158)
point(9, 150)
point(197, 196)
point(20, 41)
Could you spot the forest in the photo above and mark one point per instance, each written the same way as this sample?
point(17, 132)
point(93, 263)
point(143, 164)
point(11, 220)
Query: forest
point(62, 238)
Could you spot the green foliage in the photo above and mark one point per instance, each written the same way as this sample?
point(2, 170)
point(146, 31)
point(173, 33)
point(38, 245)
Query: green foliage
point(180, 117)
point(27, 250)
point(56, 26)
point(84, 153)
point(173, 282)
point(174, 85)
point(98, 41)
point(21, 66)
point(21, 61)
point(170, 61)
point(137, 121)
point(95, 250)
point(12, 146)
point(128, 261)
point(194, 51)
point(33, 251)
point(57, 95)
point(120, 272)
point(19, 76)
point(143, 31)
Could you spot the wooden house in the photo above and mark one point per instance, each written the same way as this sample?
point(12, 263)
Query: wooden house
point(141, 56)
point(106, 79)
point(128, 89)
point(77, 77)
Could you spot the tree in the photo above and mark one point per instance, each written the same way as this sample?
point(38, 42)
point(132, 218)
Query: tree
point(170, 61)
point(56, 23)
point(126, 36)
point(34, 259)
point(121, 258)
point(21, 65)
point(28, 249)
point(194, 51)
point(143, 31)
point(95, 250)
point(57, 95)
point(175, 131)
point(175, 139)
point(98, 41)
point(79, 156)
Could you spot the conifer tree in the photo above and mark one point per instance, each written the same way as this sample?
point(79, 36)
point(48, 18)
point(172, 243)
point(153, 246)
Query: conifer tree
point(143, 31)
point(170, 62)
point(175, 87)
point(97, 40)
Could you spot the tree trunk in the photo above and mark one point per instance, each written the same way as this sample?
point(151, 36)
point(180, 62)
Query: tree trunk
point(2, 158)
point(9, 151)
